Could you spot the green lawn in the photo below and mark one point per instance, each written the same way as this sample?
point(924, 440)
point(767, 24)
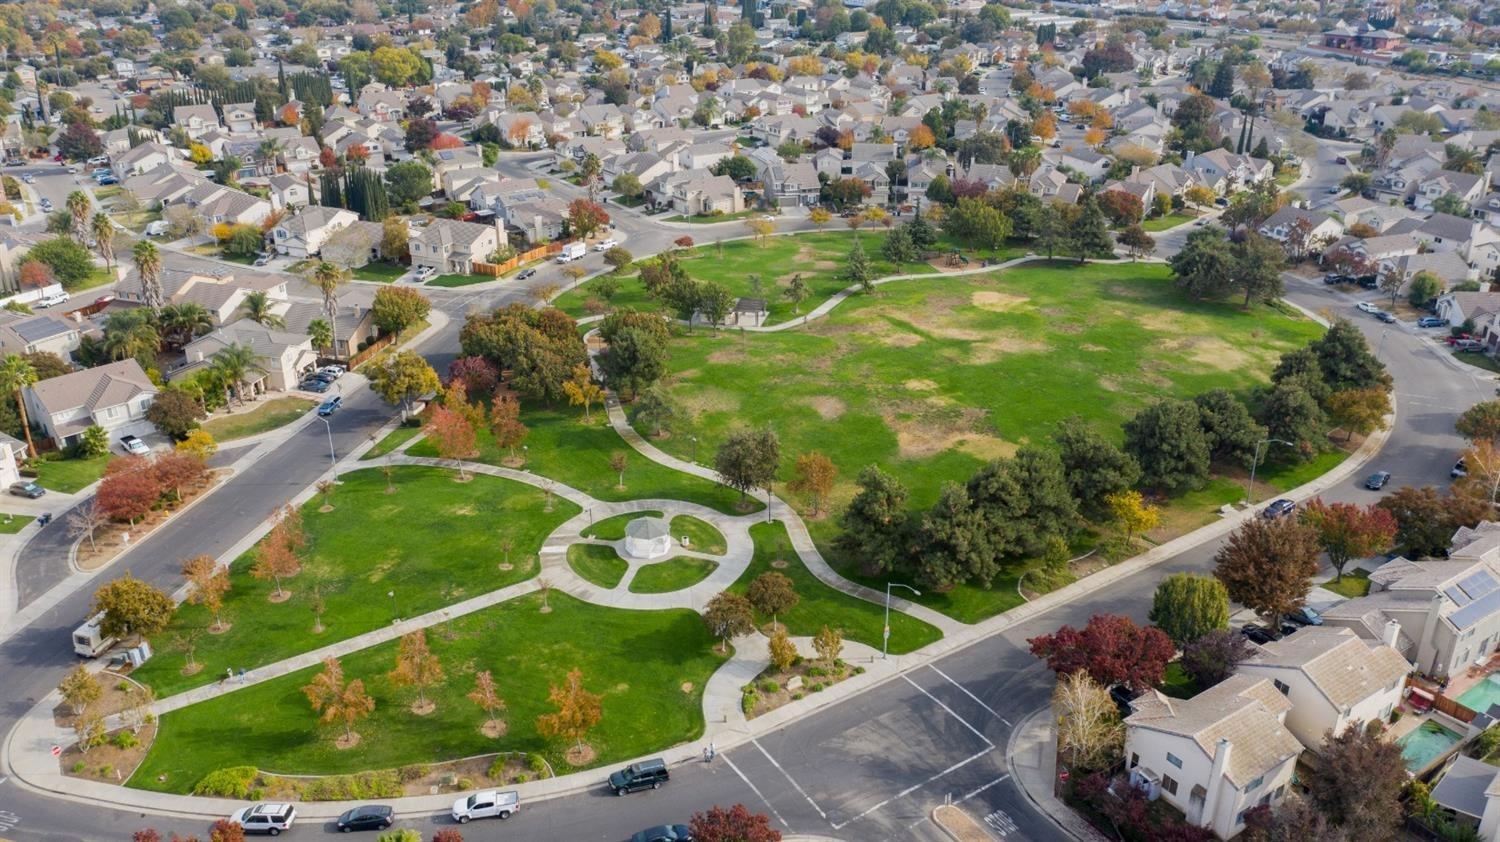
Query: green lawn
point(819, 258)
point(1177, 684)
point(702, 536)
point(379, 272)
point(650, 667)
point(708, 218)
point(70, 476)
point(11, 524)
point(598, 564)
point(270, 415)
point(394, 439)
point(930, 379)
point(563, 447)
point(613, 528)
point(1171, 220)
point(435, 541)
point(674, 574)
point(821, 605)
point(1355, 583)
point(459, 280)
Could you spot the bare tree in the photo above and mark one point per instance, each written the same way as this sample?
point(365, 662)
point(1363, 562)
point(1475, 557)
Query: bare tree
point(85, 521)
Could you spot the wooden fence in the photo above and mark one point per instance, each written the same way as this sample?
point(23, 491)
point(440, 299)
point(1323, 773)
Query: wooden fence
point(495, 270)
point(1441, 703)
point(371, 350)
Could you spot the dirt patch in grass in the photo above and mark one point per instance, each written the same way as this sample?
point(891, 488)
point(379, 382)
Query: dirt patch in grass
point(998, 302)
point(1218, 354)
point(112, 762)
point(466, 511)
point(920, 385)
point(1089, 346)
point(901, 340)
point(987, 447)
point(825, 265)
point(709, 399)
point(997, 346)
point(828, 407)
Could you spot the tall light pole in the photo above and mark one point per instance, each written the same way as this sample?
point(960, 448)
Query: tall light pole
point(1254, 463)
point(885, 633)
point(333, 458)
point(395, 614)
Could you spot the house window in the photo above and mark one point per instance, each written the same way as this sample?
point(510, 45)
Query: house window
point(1135, 760)
point(1282, 686)
point(1255, 784)
point(1169, 784)
point(1174, 760)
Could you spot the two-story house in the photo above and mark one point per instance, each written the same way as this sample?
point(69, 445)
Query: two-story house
point(282, 357)
point(41, 333)
point(1467, 187)
point(303, 233)
point(114, 397)
point(448, 245)
point(1217, 755)
point(239, 117)
point(196, 120)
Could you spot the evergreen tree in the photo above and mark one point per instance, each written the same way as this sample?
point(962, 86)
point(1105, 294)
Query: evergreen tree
point(1089, 236)
point(1222, 86)
point(859, 270)
point(921, 232)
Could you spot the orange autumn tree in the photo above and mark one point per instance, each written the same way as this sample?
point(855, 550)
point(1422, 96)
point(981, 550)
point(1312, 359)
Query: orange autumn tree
point(417, 667)
point(279, 554)
point(506, 425)
point(578, 710)
point(207, 585)
point(338, 702)
point(453, 435)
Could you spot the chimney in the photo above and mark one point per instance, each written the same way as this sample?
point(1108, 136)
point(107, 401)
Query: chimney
point(1189, 157)
point(1216, 781)
point(1392, 634)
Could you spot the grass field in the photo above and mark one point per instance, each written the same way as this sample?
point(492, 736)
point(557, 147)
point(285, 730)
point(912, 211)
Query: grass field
point(433, 542)
point(701, 535)
point(70, 476)
point(597, 564)
point(458, 280)
point(650, 667)
point(381, 273)
point(1171, 220)
point(819, 258)
point(11, 524)
point(674, 574)
point(270, 415)
point(394, 439)
point(563, 447)
point(821, 605)
point(613, 528)
point(710, 218)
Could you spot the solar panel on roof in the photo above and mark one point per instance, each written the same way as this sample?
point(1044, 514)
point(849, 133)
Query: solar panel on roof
point(1475, 611)
point(1458, 596)
point(1478, 584)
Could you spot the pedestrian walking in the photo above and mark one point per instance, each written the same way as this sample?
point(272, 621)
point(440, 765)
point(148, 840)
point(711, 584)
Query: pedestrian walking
point(228, 675)
point(242, 675)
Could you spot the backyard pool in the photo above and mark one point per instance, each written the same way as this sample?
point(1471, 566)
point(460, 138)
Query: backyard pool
point(1426, 744)
point(1482, 695)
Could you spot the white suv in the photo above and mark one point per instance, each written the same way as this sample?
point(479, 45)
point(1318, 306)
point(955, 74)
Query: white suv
point(52, 299)
point(270, 819)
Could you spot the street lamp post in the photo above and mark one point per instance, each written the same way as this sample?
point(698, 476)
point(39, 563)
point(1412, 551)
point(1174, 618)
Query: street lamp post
point(333, 459)
point(395, 614)
point(694, 440)
point(885, 633)
point(1255, 463)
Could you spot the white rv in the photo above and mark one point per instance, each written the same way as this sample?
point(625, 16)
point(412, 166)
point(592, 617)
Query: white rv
point(88, 641)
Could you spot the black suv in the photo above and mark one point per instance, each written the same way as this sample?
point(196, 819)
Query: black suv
point(647, 774)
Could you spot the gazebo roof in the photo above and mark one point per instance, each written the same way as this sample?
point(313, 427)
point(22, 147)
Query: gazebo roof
point(647, 528)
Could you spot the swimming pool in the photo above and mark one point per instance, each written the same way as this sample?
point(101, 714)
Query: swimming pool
point(1426, 744)
point(1482, 695)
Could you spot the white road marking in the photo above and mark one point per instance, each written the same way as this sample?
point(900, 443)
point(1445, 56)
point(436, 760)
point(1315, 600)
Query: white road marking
point(757, 791)
point(966, 692)
point(788, 776)
point(940, 704)
point(914, 787)
point(1000, 779)
point(1001, 822)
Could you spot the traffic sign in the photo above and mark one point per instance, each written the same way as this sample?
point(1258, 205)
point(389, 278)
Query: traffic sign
point(57, 751)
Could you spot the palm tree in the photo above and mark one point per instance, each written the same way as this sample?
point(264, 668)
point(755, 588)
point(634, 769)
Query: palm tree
point(257, 308)
point(78, 206)
point(321, 334)
point(130, 333)
point(1025, 160)
point(182, 322)
point(1463, 160)
point(104, 237)
point(148, 266)
point(16, 374)
point(327, 277)
point(235, 363)
point(268, 150)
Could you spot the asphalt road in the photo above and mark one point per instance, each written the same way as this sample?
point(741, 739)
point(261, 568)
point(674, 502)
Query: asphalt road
point(871, 767)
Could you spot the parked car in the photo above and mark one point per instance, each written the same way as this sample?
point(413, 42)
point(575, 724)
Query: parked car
point(647, 774)
point(325, 376)
point(1366, 307)
point(1460, 469)
point(52, 299)
point(314, 385)
point(27, 488)
point(1334, 191)
point(46, 205)
point(1259, 634)
point(1278, 509)
point(1341, 160)
point(1305, 616)
point(262, 260)
point(1383, 316)
point(525, 273)
point(487, 804)
point(1337, 279)
point(270, 819)
point(29, 178)
point(664, 833)
point(1377, 480)
point(134, 446)
point(333, 371)
point(1122, 696)
point(1222, 202)
point(366, 817)
point(605, 245)
point(1468, 346)
point(330, 406)
point(1368, 281)
point(1432, 321)
point(107, 179)
point(425, 272)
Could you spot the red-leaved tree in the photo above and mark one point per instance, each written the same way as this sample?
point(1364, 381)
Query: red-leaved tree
point(1347, 531)
point(175, 469)
point(453, 435)
point(129, 492)
point(35, 274)
point(737, 824)
point(1111, 648)
point(476, 373)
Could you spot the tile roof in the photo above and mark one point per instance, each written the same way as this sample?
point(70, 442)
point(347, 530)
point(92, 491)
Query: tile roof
point(93, 388)
point(1344, 668)
point(1243, 709)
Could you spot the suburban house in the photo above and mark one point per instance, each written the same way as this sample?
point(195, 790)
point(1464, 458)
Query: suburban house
point(1466, 186)
point(239, 117)
point(220, 295)
point(1223, 171)
point(283, 356)
point(113, 396)
point(447, 245)
point(43, 332)
point(1480, 307)
point(303, 233)
point(13, 249)
point(144, 158)
point(1315, 231)
point(700, 194)
point(196, 120)
point(353, 325)
point(1471, 790)
point(1332, 677)
point(1217, 755)
point(217, 203)
point(288, 192)
point(1448, 610)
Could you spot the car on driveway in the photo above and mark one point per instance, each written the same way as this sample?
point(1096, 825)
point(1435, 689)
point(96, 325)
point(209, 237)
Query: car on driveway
point(332, 371)
point(27, 488)
point(314, 384)
point(425, 272)
point(262, 260)
point(330, 406)
point(1305, 616)
point(1259, 634)
point(1460, 469)
point(1432, 321)
point(1366, 307)
point(1278, 509)
point(664, 833)
point(1377, 480)
point(1333, 279)
point(366, 817)
point(270, 819)
point(134, 446)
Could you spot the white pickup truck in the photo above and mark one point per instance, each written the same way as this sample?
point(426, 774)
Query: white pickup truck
point(486, 804)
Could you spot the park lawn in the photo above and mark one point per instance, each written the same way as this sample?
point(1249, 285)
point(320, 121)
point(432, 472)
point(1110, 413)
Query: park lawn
point(613, 528)
point(270, 415)
point(1355, 583)
point(818, 257)
point(393, 440)
point(710, 218)
point(650, 667)
point(701, 535)
point(597, 564)
point(71, 475)
point(458, 280)
point(1171, 220)
point(565, 448)
point(434, 542)
point(820, 605)
point(674, 574)
point(11, 524)
point(379, 272)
